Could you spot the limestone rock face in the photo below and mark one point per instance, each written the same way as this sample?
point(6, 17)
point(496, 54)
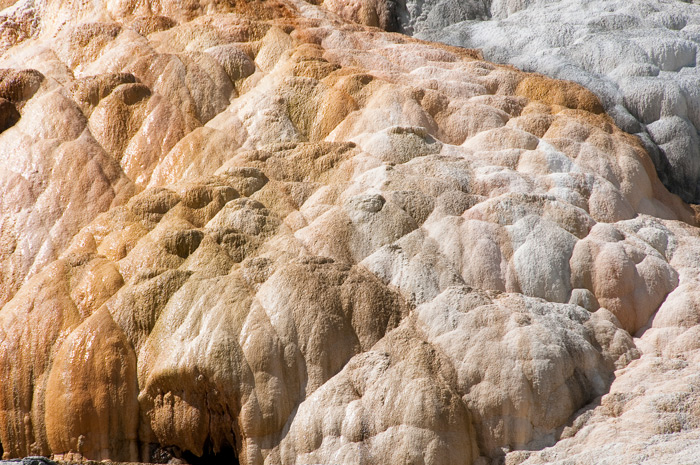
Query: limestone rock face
point(260, 232)
point(638, 58)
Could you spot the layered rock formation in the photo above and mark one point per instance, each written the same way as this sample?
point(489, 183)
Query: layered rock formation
point(257, 232)
point(639, 57)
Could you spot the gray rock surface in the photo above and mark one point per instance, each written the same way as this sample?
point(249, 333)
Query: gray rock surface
point(31, 460)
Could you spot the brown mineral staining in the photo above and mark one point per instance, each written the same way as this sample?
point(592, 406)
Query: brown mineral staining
point(88, 92)
point(18, 86)
point(146, 25)
point(376, 13)
point(91, 393)
point(8, 114)
point(562, 93)
point(255, 231)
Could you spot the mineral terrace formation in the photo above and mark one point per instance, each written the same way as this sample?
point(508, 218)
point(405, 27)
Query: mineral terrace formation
point(260, 232)
point(638, 56)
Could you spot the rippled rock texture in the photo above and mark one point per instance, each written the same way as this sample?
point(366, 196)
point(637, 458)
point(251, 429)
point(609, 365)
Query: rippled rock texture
point(257, 232)
point(639, 57)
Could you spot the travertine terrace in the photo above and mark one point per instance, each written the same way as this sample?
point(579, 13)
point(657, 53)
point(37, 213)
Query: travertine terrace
point(258, 231)
point(639, 57)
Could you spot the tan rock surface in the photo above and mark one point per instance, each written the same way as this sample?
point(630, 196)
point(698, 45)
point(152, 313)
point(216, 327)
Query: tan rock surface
point(254, 231)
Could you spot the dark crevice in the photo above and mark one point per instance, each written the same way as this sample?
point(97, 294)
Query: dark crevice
point(223, 455)
point(226, 455)
point(8, 114)
point(158, 454)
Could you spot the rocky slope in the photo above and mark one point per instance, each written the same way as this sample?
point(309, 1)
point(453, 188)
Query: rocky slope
point(257, 232)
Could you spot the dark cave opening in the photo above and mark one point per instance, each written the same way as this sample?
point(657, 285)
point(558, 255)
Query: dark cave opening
point(225, 455)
